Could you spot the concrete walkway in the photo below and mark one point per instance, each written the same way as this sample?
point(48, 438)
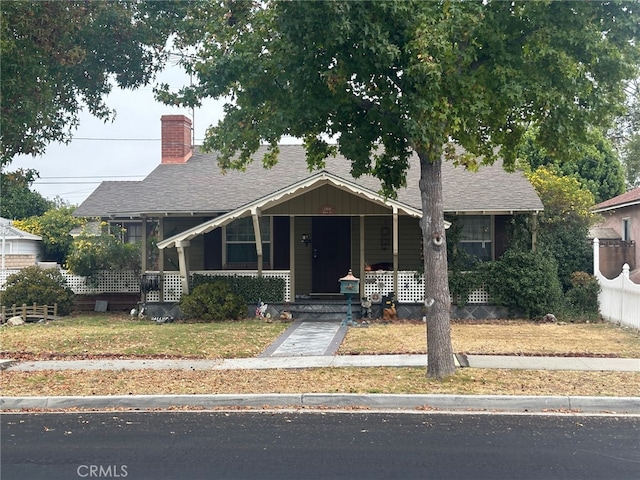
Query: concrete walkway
point(308, 339)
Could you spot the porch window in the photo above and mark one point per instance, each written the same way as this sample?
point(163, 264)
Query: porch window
point(475, 237)
point(241, 241)
point(128, 232)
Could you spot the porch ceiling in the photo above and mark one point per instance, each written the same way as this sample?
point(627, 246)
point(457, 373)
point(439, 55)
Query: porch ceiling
point(316, 181)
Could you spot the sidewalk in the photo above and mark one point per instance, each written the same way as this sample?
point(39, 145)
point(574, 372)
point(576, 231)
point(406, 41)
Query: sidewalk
point(309, 345)
point(326, 361)
point(445, 403)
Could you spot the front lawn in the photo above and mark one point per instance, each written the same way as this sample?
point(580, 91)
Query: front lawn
point(119, 336)
point(107, 335)
point(511, 337)
point(466, 381)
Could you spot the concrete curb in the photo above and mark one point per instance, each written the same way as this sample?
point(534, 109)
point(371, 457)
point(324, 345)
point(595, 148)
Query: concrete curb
point(4, 364)
point(524, 404)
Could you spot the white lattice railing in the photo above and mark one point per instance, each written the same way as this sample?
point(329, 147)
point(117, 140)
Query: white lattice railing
point(172, 285)
point(129, 282)
point(410, 287)
point(4, 274)
point(106, 282)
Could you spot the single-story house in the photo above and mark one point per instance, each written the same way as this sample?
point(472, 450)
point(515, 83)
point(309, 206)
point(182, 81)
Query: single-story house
point(618, 234)
point(312, 226)
point(19, 249)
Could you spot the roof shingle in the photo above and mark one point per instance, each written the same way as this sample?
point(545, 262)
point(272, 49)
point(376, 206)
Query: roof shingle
point(632, 197)
point(199, 187)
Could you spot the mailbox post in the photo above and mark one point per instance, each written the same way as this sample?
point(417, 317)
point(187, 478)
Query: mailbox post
point(349, 286)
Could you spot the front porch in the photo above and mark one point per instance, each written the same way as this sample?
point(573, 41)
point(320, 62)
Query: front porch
point(376, 285)
point(163, 301)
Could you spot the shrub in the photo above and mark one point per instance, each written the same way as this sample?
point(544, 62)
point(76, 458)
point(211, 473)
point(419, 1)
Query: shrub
point(41, 286)
point(213, 301)
point(524, 281)
point(582, 297)
point(251, 289)
point(462, 284)
point(91, 255)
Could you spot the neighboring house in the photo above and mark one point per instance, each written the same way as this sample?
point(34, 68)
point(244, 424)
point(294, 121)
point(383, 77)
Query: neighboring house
point(619, 233)
point(313, 226)
point(19, 249)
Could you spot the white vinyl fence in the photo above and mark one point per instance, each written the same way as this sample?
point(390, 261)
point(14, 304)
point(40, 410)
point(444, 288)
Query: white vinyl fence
point(620, 297)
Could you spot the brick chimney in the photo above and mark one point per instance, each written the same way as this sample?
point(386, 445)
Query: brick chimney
point(176, 139)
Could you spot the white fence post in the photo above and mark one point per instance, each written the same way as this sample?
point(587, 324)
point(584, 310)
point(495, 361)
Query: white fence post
point(596, 256)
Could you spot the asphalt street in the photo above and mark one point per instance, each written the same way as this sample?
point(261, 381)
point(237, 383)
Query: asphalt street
point(318, 445)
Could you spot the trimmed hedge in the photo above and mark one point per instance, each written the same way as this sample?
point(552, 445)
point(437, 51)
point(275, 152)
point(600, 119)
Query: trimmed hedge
point(213, 301)
point(251, 289)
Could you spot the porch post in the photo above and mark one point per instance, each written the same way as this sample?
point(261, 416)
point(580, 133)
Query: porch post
point(534, 232)
point(255, 215)
point(161, 256)
point(145, 254)
point(395, 251)
point(292, 258)
point(183, 260)
point(362, 259)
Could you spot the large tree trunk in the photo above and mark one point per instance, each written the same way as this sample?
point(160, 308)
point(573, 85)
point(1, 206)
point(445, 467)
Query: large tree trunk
point(437, 300)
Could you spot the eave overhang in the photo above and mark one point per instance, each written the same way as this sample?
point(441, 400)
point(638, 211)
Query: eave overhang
point(617, 207)
point(315, 181)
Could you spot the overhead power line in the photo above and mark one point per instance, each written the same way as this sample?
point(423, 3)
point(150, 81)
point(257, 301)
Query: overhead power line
point(125, 139)
point(91, 176)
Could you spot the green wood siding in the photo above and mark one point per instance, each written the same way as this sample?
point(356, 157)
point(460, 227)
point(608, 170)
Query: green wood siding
point(341, 202)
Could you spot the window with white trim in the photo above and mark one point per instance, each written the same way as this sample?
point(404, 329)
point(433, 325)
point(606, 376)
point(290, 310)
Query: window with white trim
point(241, 240)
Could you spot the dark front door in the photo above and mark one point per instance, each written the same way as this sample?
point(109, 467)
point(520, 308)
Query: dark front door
point(331, 242)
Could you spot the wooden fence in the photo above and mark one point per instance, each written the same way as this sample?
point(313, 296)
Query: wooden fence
point(31, 312)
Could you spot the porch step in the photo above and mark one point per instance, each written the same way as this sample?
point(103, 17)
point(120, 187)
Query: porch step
point(323, 312)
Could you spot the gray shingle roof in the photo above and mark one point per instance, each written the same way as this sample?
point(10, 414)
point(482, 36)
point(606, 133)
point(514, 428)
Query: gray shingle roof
point(199, 187)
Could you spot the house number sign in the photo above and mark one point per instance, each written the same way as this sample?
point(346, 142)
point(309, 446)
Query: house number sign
point(327, 210)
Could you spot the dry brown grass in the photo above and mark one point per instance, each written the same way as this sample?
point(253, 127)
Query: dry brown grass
point(496, 338)
point(515, 337)
point(328, 380)
point(112, 335)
